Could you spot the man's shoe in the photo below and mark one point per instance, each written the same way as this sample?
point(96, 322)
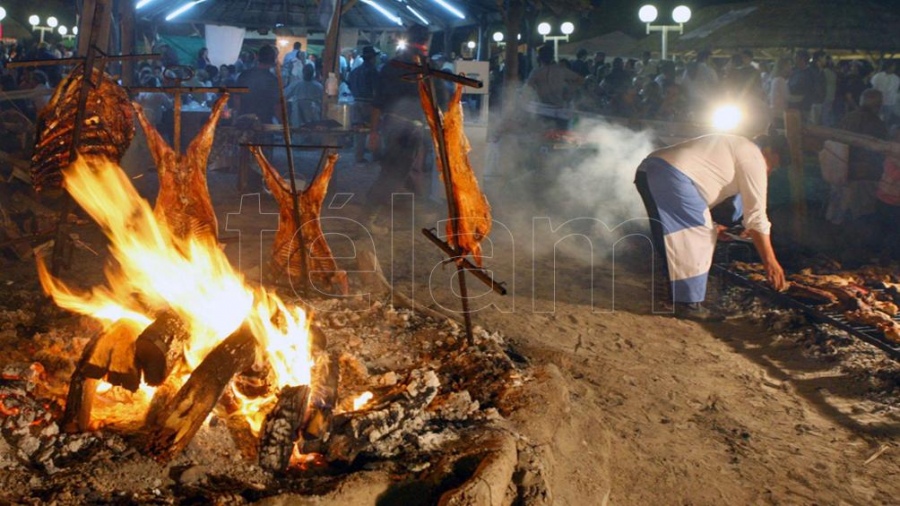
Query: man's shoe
point(696, 312)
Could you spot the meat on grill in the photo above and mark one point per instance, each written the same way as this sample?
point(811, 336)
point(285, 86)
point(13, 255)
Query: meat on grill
point(810, 293)
point(323, 270)
point(472, 208)
point(873, 316)
point(107, 128)
point(845, 292)
point(183, 204)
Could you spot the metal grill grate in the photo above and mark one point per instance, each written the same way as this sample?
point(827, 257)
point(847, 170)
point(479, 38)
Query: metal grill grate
point(865, 333)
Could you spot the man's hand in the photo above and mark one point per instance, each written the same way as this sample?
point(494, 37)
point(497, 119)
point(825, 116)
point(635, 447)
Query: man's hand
point(775, 275)
point(774, 272)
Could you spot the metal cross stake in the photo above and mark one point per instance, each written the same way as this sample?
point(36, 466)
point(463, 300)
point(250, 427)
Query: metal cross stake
point(428, 75)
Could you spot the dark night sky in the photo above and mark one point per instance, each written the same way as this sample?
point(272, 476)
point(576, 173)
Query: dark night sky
point(612, 15)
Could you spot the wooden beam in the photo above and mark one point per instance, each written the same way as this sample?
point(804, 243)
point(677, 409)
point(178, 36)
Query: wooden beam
point(793, 127)
point(349, 5)
point(886, 148)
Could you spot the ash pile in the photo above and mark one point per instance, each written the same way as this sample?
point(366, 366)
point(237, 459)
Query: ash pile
point(791, 336)
point(431, 426)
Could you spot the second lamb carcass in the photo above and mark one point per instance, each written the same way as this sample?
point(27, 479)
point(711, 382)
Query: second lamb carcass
point(183, 204)
point(320, 265)
point(472, 208)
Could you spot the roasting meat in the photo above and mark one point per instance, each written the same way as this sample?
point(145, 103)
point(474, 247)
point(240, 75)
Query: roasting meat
point(847, 292)
point(323, 271)
point(472, 207)
point(811, 293)
point(183, 204)
point(107, 129)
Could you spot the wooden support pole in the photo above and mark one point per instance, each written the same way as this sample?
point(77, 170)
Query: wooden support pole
point(793, 126)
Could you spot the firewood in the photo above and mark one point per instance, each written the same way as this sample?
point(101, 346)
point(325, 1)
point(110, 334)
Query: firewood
point(79, 401)
point(113, 356)
point(160, 347)
point(281, 428)
point(378, 431)
point(171, 429)
point(108, 354)
point(326, 377)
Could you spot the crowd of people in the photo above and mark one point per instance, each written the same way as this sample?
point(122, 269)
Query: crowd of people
point(824, 90)
point(39, 79)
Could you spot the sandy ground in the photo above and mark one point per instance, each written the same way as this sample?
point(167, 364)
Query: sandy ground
point(634, 408)
point(628, 407)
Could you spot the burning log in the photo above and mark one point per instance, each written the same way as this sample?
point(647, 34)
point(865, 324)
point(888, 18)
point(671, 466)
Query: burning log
point(160, 347)
point(109, 354)
point(282, 428)
point(378, 431)
point(171, 428)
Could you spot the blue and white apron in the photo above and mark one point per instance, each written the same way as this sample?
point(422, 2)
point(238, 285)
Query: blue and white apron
point(688, 230)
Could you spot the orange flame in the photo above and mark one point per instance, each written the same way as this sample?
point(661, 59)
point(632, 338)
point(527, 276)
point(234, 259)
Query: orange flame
point(361, 401)
point(155, 270)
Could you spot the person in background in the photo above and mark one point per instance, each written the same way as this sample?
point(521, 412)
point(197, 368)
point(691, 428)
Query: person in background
point(888, 83)
point(292, 64)
point(679, 185)
point(154, 104)
point(555, 86)
point(778, 91)
point(802, 85)
point(600, 68)
point(202, 59)
point(864, 164)
point(226, 77)
point(245, 62)
point(263, 97)
point(306, 97)
point(362, 85)
point(397, 116)
point(580, 65)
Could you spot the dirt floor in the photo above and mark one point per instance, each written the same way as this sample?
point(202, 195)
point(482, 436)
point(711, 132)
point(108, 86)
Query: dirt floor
point(621, 406)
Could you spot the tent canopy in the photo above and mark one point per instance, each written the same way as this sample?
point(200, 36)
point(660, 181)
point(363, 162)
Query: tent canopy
point(302, 14)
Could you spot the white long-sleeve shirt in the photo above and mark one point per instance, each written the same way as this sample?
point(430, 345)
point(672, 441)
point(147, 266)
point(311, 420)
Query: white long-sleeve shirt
point(722, 166)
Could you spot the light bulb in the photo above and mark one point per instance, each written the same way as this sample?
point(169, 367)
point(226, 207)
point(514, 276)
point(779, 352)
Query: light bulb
point(648, 14)
point(681, 14)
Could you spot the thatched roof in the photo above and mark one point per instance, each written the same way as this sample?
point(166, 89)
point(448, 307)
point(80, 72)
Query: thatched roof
point(834, 25)
point(300, 14)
